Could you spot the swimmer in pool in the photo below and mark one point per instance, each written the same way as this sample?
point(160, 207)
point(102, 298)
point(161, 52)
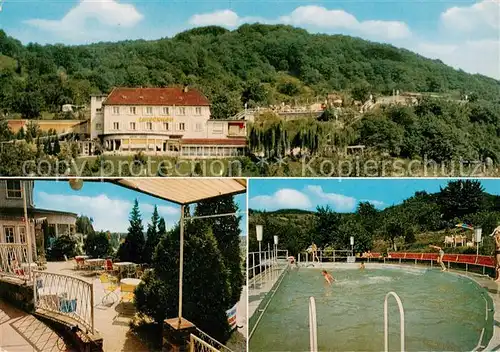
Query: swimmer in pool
point(329, 278)
point(440, 256)
point(362, 266)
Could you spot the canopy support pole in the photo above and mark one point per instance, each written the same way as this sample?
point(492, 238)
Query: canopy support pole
point(181, 263)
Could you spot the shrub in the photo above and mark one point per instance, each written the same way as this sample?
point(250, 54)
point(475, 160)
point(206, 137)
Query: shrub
point(64, 245)
point(97, 245)
point(205, 288)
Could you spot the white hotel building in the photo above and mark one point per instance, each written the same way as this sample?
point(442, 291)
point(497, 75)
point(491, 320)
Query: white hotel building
point(170, 121)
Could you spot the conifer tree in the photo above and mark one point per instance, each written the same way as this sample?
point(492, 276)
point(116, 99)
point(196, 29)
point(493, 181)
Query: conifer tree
point(131, 249)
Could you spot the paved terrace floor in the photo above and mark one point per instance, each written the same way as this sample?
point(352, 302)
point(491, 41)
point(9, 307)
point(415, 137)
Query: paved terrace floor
point(22, 332)
point(116, 332)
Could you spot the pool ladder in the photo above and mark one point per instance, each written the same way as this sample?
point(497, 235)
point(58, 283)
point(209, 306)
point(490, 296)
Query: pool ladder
point(401, 321)
point(313, 327)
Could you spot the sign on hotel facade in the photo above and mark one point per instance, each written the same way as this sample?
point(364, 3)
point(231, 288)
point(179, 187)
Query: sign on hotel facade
point(170, 121)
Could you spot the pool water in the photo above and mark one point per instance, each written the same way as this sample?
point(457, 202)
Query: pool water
point(443, 311)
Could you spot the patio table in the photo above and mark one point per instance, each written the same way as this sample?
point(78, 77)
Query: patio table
point(131, 282)
point(94, 263)
point(78, 257)
point(123, 267)
point(32, 265)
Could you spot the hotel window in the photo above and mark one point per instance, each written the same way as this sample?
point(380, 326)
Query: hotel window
point(13, 189)
point(98, 126)
point(198, 127)
point(116, 125)
point(182, 111)
point(22, 234)
point(132, 125)
point(198, 111)
point(116, 110)
point(218, 128)
point(182, 126)
point(149, 125)
point(165, 110)
point(166, 127)
point(149, 110)
point(9, 234)
point(132, 110)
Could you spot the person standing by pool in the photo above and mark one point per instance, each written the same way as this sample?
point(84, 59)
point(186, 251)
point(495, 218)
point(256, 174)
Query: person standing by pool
point(328, 277)
point(314, 250)
point(496, 236)
point(440, 256)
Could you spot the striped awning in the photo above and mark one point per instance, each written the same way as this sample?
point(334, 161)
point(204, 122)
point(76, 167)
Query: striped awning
point(185, 191)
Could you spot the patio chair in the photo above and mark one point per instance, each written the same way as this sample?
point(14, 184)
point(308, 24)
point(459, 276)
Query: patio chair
point(130, 271)
point(109, 284)
point(79, 263)
point(139, 271)
point(108, 267)
point(126, 306)
point(127, 293)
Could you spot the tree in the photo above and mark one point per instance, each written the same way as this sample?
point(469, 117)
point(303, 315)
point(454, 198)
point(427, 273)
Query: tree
point(30, 105)
point(84, 225)
point(132, 248)
point(152, 237)
point(227, 232)
point(326, 225)
point(460, 198)
point(64, 245)
point(162, 227)
point(394, 228)
point(97, 245)
point(57, 148)
point(205, 286)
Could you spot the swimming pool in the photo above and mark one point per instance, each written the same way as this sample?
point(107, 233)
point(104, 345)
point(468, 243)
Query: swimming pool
point(443, 311)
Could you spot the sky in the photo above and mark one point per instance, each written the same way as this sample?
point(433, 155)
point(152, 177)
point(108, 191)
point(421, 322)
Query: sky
point(342, 195)
point(109, 205)
point(462, 33)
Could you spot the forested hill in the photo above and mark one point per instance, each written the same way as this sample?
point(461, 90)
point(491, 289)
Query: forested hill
point(258, 64)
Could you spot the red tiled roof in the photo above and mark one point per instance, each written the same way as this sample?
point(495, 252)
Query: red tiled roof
point(205, 141)
point(156, 96)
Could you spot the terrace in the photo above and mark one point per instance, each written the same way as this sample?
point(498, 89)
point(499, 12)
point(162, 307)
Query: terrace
point(93, 297)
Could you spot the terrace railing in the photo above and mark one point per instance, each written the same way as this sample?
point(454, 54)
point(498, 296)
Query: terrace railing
point(14, 260)
point(202, 342)
point(65, 297)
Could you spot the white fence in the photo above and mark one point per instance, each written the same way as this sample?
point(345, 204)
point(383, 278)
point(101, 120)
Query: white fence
point(14, 261)
point(324, 256)
point(65, 296)
point(259, 262)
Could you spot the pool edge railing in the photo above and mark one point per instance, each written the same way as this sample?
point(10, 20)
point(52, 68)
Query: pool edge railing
point(401, 321)
point(482, 261)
